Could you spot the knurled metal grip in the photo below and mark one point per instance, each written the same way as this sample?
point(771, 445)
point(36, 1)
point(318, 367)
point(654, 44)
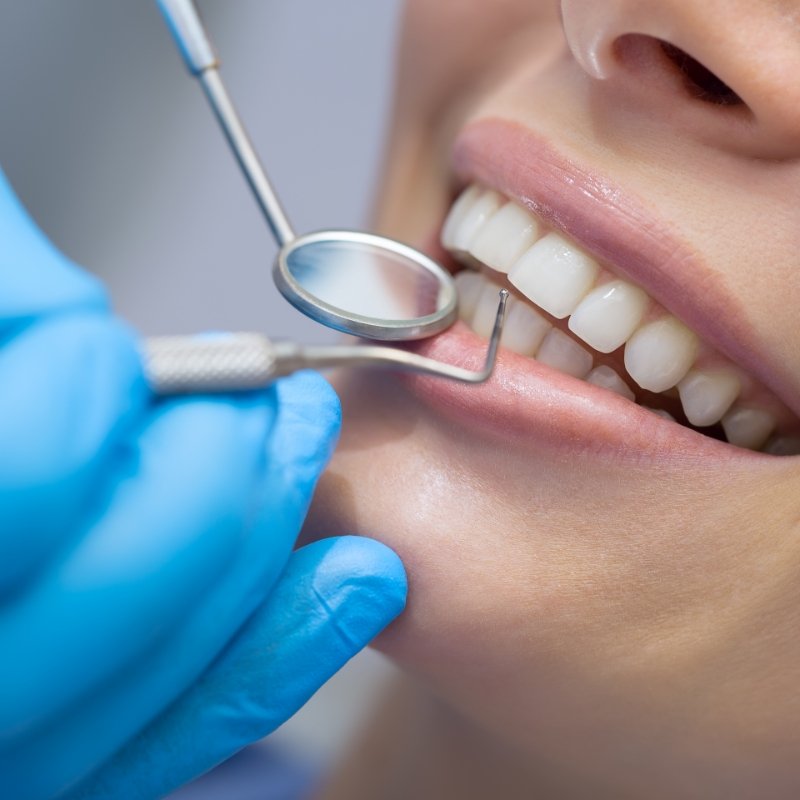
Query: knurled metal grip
point(197, 364)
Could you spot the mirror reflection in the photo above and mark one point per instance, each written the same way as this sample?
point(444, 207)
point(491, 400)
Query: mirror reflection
point(361, 278)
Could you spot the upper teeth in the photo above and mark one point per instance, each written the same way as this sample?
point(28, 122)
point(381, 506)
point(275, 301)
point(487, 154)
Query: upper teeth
point(607, 317)
point(604, 311)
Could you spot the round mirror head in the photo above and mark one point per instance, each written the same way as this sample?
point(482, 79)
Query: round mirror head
point(366, 285)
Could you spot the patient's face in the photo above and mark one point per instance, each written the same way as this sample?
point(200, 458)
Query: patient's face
point(589, 578)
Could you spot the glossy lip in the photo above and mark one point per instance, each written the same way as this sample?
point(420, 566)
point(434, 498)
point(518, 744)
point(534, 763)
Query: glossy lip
point(530, 403)
point(617, 229)
point(533, 403)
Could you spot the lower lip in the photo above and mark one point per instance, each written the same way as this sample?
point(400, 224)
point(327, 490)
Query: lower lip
point(530, 404)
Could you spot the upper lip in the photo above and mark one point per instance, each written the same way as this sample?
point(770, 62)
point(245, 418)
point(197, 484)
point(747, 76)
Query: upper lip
point(619, 230)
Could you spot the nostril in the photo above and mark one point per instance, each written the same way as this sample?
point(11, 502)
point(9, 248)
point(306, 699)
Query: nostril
point(654, 59)
point(700, 81)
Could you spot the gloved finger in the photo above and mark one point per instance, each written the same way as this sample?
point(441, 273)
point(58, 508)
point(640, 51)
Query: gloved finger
point(175, 519)
point(90, 731)
point(335, 596)
point(307, 405)
point(70, 387)
point(35, 278)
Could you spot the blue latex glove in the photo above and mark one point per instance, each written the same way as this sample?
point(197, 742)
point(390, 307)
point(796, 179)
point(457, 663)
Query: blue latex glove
point(153, 619)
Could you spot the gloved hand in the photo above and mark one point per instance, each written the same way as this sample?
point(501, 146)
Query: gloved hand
point(153, 619)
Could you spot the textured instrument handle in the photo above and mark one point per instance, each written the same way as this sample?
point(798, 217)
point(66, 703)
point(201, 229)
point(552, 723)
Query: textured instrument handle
point(196, 364)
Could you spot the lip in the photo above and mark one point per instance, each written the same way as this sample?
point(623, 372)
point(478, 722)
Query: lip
point(530, 403)
point(620, 230)
point(534, 403)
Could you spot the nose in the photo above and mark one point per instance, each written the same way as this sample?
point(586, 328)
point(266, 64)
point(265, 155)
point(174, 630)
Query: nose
point(730, 68)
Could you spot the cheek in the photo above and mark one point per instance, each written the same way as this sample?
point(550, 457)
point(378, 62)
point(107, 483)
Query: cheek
point(531, 579)
point(448, 45)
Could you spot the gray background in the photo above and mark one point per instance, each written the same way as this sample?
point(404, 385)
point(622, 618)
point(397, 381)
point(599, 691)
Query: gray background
point(111, 146)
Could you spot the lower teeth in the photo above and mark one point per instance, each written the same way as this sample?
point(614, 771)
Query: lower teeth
point(529, 333)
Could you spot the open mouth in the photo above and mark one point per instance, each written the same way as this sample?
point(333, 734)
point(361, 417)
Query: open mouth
point(576, 315)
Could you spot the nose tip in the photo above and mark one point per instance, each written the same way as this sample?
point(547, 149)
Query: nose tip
point(673, 53)
point(592, 27)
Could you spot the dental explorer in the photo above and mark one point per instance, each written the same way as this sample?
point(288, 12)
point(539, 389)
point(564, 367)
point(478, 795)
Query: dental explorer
point(355, 282)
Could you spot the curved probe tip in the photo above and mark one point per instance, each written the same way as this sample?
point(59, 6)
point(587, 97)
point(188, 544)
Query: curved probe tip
point(494, 340)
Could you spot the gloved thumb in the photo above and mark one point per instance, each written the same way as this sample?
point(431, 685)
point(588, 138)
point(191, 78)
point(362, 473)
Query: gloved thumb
point(334, 597)
point(35, 278)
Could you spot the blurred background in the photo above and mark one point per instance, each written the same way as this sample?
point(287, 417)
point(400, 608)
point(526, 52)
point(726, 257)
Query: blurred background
point(114, 150)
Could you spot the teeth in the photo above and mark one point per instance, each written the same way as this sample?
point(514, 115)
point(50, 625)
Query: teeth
point(505, 237)
point(558, 277)
point(608, 379)
point(555, 275)
point(607, 317)
point(524, 329)
point(707, 395)
point(660, 354)
point(469, 219)
point(748, 427)
point(460, 208)
point(783, 446)
point(564, 354)
point(486, 310)
point(469, 286)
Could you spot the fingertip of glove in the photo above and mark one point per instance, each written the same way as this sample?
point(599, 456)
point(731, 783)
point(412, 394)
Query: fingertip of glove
point(35, 277)
point(359, 579)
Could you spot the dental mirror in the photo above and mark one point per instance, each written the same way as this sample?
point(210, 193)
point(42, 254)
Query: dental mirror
point(357, 283)
point(366, 285)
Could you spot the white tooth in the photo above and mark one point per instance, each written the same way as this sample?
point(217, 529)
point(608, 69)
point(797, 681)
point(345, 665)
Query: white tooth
point(707, 394)
point(469, 286)
point(783, 446)
point(748, 427)
point(608, 379)
point(660, 354)
point(460, 208)
point(505, 237)
point(474, 219)
point(659, 412)
point(555, 275)
point(524, 328)
point(607, 317)
point(486, 310)
point(564, 354)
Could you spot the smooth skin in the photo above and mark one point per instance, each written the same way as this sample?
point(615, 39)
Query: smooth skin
point(582, 628)
point(153, 617)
